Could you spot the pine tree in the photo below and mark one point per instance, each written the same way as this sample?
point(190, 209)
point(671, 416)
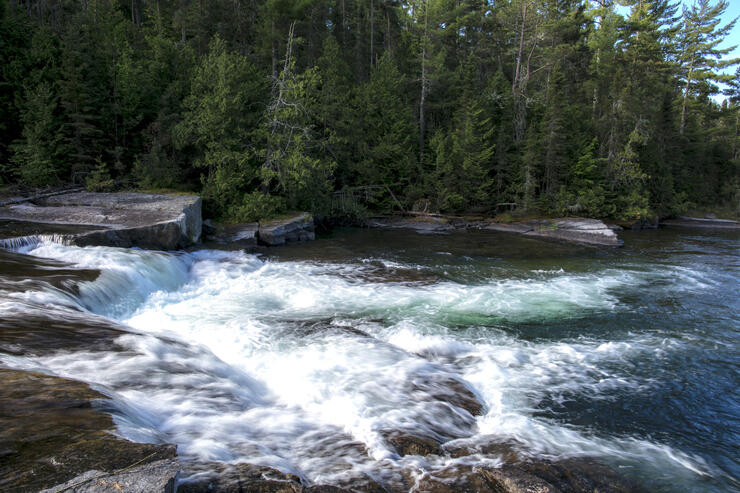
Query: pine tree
point(700, 56)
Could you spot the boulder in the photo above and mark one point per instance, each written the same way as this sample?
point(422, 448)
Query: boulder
point(53, 430)
point(163, 222)
point(298, 227)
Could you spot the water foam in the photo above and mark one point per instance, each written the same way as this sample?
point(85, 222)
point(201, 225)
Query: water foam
point(239, 359)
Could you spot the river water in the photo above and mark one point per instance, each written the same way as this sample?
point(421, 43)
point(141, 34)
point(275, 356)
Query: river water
point(291, 358)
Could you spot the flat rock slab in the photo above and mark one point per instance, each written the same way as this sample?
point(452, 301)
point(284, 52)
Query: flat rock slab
point(54, 429)
point(575, 230)
point(298, 227)
point(701, 222)
point(163, 222)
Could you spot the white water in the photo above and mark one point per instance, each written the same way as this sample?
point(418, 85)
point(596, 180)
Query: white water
point(235, 359)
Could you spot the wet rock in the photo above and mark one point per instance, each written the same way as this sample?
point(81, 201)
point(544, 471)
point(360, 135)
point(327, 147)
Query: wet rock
point(407, 444)
point(467, 479)
point(52, 430)
point(154, 221)
point(446, 389)
point(156, 477)
point(575, 475)
point(298, 227)
point(237, 478)
point(580, 476)
point(24, 333)
point(507, 450)
point(240, 235)
point(701, 222)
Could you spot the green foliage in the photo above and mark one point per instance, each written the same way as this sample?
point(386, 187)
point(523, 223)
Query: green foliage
point(99, 179)
point(463, 158)
point(37, 152)
point(255, 206)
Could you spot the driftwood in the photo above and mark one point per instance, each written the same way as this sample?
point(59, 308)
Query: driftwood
point(40, 196)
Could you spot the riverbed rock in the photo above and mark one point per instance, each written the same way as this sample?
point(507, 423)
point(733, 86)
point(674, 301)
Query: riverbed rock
point(434, 387)
point(469, 479)
point(298, 227)
point(245, 477)
point(54, 429)
point(408, 444)
point(163, 222)
point(701, 222)
point(568, 476)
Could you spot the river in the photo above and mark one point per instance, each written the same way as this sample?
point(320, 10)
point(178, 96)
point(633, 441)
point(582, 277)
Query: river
point(626, 355)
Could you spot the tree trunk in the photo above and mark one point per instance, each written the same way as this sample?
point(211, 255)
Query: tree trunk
point(515, 82)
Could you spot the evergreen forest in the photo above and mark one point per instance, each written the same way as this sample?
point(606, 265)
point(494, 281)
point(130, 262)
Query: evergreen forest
point(601, 108)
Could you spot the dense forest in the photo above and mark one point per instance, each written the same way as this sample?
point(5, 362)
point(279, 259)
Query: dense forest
point(595, 108)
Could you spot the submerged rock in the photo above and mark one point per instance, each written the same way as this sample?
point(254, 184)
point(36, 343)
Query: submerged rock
point(53, 429)
point(299, 227)
point(162, 222)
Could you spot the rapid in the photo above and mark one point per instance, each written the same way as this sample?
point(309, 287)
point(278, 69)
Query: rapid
point(304, 358)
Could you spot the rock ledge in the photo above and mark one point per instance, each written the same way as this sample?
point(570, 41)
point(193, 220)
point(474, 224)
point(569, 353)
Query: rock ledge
point(162, 222)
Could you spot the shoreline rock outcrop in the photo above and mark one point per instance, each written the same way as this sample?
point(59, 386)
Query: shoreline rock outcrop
point(153, 221)
point(584, 231)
